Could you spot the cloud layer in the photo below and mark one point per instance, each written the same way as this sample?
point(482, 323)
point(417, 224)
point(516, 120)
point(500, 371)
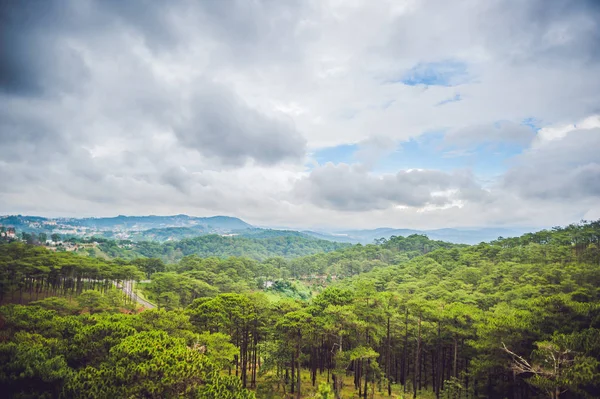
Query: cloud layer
point(343, 187)
point(216, 107)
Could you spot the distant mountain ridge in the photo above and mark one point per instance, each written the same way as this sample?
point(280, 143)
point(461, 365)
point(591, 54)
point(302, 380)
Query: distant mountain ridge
point(153, 222)
point(459, 236)
point(177, 227)
point(124, 226)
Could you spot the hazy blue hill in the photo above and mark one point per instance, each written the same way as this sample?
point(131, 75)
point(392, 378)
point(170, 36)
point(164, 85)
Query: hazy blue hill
point(180, 233)
point(458, 236)
point(178, 227)
point(269, 233)
point(168, 233)
point(225, 222)
point(195, 225)
point(226, 227)
point(368, 236)
point(332, 237)
point(154, 222)
point(19, 220)
point(24, 223)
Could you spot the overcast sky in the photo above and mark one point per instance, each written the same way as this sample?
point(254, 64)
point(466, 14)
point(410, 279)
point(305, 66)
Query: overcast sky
point(322, 113)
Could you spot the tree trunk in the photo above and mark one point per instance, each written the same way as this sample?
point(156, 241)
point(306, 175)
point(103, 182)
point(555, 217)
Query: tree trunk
point(368, 363)
point(455, 361)
point(337, 380)
point(433, 375)
point(437, 375)
point(245, 358)
point(254, 349)
point(404, 350)
point(387, 360)
point(292, 391)
point(358, 378)
point(313, 363)
point(417, 359)
point(298, 368)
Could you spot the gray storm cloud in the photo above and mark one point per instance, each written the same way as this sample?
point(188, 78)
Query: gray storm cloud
point(348, 188)
point(212, 106)
point(220, 125)
point(563, 169)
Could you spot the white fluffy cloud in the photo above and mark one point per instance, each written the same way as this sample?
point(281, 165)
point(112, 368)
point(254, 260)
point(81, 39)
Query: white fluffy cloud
point(212, 107)
point(499, 132)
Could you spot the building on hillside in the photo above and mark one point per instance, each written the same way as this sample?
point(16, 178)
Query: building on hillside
point(66, 231)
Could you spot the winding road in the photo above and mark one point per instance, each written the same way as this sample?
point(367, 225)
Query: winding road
point(127, 288)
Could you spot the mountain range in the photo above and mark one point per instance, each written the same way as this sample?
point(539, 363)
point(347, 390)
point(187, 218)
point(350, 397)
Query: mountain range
point(455, 235)
point(167, 228)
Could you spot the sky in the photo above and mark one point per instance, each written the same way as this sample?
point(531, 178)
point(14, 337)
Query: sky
point(303, 113)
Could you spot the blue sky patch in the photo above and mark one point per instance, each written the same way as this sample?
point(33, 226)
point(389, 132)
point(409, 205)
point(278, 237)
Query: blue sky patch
point(444, 73)
point(456, 98)
point(429, 151)
point(532, 123)
point(339, 154)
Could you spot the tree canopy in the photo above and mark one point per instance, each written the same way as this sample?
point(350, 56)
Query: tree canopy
point(516, 318)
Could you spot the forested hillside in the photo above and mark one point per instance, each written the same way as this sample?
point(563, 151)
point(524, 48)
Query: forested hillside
point(180, 233)
point(405, 317)
point(219, 246)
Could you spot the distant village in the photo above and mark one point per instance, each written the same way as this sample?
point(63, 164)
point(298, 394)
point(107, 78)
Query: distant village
point(8, 232)
point(54, 243)
point(63, 235)
point(50, 234)
point(65, 229)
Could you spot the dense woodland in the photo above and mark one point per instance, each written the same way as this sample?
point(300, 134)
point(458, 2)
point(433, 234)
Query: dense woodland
point(257, 247)
point(257, 244)
point(404, 317)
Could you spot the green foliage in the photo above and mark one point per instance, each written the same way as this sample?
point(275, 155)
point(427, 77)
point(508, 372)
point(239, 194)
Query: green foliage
point(149, 265)
point(258, 248)
point(289, 289)
point(92, 342)
point(152, 364)
point(35, 271)
point(218, 348)
point(43, 354)
point(62, 306)
point(168, 300)
point(93, 301)
point(324, 392)
point(491, 320)
point(32, 366)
